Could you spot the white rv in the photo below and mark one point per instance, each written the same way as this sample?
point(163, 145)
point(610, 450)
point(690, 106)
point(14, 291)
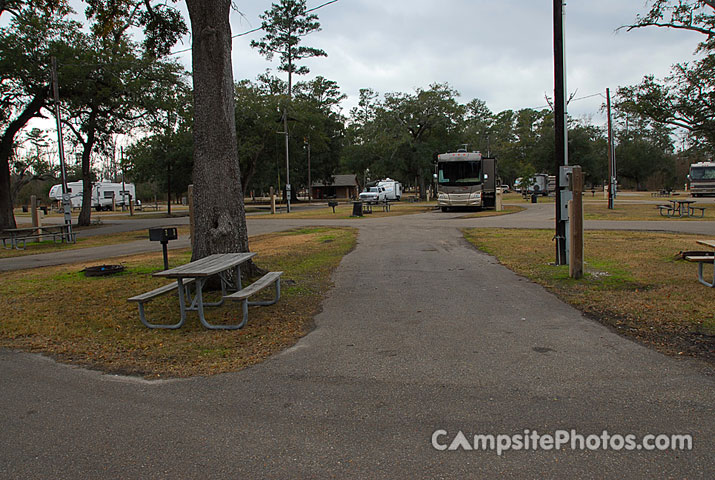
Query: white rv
point(102, 194)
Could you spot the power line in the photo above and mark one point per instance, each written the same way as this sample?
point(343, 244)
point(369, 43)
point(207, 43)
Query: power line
point(257, 28)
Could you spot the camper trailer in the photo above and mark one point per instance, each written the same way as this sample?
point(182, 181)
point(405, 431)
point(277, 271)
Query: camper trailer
point(393, 188)
point(102, 194)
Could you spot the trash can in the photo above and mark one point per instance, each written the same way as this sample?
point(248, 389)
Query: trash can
point(533, 198)
point(357, 209)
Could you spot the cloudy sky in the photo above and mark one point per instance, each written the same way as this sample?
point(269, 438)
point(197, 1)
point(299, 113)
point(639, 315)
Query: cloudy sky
point(500, 51)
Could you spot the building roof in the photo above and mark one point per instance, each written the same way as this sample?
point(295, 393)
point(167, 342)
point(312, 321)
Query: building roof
point(339, 181)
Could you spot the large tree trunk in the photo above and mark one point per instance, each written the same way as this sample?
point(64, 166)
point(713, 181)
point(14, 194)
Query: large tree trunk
point(85, 214)
point(219, 215)
point(7, 217)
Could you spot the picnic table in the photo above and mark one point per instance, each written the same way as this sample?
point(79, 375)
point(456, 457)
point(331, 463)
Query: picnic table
point(228, 268)
point(14, 236)
point(221, 264)
point(679, 208)
point(702, 260)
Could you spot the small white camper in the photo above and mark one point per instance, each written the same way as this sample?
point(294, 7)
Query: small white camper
point(393, 188)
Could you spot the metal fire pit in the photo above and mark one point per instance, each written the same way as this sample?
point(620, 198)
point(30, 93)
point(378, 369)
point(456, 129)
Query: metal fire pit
point(102, 270)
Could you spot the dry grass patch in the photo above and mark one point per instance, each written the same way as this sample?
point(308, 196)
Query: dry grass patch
point(637, 212)
point(344, 211)
point(633, 283)
point(88, 321)
point(48, 246)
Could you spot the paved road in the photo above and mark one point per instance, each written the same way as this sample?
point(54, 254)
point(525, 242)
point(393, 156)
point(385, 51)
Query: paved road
point(421, 332)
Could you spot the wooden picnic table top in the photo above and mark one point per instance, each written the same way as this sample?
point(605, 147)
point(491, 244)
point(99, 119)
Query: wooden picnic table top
point(207, 266)
point(33, 229)
point(708, 243)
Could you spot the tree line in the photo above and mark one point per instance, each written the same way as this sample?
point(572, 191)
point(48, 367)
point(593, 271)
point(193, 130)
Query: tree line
point(110, 84)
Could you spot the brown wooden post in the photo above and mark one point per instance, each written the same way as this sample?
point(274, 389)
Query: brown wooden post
point(190, 194)
point(131, 206)
point(576, 224)
point(273, 201)
point(34, 212)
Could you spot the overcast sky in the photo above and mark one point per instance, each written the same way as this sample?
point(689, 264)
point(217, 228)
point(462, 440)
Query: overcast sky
point(500, 51)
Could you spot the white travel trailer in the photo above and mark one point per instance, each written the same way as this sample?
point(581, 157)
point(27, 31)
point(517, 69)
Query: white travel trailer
point(393, 188)
point(102, 194)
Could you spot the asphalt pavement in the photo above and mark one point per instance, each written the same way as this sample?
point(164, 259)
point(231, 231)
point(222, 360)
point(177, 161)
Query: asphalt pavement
point(422, 333)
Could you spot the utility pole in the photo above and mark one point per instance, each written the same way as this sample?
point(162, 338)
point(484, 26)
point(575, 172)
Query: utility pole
point(121, 162)
point(285, 132)
point(610, 150)
point(66, 204)
point(309, 184)
point(561, 151)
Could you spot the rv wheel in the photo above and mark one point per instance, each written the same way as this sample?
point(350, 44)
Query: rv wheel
point(445, 209)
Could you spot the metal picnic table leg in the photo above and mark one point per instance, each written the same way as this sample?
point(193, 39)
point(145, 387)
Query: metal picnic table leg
point(223, 289)
point(701, 278)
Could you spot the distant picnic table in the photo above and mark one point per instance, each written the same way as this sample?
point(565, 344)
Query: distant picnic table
point(13, 237)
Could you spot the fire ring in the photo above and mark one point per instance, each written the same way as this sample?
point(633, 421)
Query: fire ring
point(102, 270)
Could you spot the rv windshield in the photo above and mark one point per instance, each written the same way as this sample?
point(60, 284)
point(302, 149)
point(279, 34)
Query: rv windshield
point(702, 173)
point(459, 173)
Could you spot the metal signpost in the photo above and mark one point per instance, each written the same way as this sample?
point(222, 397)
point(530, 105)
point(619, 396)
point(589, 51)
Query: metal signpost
point(66, 202)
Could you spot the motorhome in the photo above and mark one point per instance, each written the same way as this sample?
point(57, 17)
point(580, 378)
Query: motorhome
point(466, 179)
point(702, 179)
point(102, 194)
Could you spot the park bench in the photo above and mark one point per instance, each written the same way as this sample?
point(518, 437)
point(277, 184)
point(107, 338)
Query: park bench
point(148, 296)
point(244, 294)
point(669, 211)
point(701, 258)
point(692, 211)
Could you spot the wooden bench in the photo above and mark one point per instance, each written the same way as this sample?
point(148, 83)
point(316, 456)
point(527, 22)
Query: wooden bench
point(148, 296)
point(692, 211)
point(244, 294)
point(702, 260)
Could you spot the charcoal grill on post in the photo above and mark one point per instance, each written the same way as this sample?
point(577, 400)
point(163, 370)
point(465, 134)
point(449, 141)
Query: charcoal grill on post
point(163, 235)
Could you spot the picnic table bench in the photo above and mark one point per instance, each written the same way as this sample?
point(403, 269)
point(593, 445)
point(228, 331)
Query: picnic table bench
point(702, 260)
point(692, 211)
point(15, 236)
point(367, 206)
point(228, 267)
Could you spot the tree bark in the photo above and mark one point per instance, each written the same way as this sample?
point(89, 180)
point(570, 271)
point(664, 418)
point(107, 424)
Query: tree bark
point(85, 214)
point(220, 219)
point(7, 217)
